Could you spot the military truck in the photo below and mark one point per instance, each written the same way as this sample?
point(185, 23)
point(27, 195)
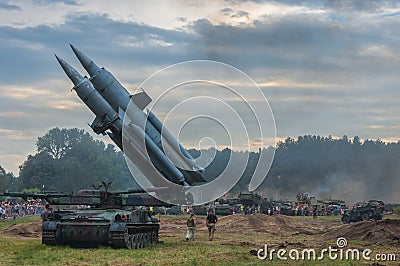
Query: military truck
point(363, 211)
point(104, 218)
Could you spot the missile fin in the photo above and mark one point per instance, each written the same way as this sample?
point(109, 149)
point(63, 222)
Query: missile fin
point(141, 99)
point(96, 125)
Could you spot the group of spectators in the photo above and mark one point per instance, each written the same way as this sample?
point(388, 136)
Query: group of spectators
point(9, 209)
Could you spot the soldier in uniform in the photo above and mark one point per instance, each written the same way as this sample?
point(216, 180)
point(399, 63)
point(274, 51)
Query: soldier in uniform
point(315, 211)
point(46, 212)
point(191, 225)
point(211, 220)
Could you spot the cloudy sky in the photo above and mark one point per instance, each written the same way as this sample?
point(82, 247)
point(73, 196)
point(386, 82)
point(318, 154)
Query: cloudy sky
point(326, 67)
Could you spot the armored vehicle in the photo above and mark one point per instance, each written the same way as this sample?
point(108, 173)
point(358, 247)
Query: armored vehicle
point(224, 209)
point(102, 218)
point(287, 209)
point(249, 199)
point(364, 211)
point(107, 227)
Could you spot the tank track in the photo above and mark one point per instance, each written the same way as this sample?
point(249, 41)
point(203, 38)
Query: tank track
point(49, 238)
point(133, 241)
point(118, 240)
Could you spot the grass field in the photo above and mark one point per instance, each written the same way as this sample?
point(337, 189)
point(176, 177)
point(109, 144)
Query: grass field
point(229, 248)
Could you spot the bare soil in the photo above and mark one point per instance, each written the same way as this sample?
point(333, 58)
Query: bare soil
point(283, 229)
point(26, 230)
point(384, 232)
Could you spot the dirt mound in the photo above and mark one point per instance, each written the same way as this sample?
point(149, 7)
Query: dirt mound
point(30, 230)
point(384, 232)
point(276, 224)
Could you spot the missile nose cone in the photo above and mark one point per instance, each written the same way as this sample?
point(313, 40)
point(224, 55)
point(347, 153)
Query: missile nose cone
point(73, 75)
point(86, 62)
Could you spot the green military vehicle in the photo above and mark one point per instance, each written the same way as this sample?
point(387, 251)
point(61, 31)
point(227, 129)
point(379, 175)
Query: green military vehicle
point(103, 218)
point(364, 211)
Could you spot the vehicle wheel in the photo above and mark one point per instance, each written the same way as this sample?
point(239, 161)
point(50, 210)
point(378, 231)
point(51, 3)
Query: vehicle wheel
point(346, 219)
point(129, 242)
point(141, 240)
point(133, 241)
point(145, 239)
point(365, 217)
point(154, 237)
point(127, 239)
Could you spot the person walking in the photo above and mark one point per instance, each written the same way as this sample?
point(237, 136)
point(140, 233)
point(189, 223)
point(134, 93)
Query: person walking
point(211, 220)
point(191, 225)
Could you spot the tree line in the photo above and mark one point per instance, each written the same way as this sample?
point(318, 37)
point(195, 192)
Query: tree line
point(67, 160)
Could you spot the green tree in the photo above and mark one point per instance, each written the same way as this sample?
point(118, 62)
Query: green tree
point(71, 159)
point(7, 180)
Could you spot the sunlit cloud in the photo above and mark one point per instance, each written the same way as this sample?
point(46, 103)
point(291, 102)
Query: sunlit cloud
point(375, 126)
point(13, 135)
point(65, 105)
point(298, 84)
point(18, 92)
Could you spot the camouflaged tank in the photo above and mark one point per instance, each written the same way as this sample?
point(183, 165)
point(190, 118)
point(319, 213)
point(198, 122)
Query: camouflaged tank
point(116, 219)
point(101, 227)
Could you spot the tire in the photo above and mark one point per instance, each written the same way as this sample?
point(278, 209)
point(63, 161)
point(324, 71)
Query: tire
point(346, 219)
point(365, 217)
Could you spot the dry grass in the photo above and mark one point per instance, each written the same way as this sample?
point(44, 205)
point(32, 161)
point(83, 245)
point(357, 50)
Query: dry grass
point(230, 247)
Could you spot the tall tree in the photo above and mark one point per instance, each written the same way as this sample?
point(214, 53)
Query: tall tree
point(7, 180)
point(70, 159)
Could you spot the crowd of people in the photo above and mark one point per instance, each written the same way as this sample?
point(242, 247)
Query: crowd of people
point(11, 209)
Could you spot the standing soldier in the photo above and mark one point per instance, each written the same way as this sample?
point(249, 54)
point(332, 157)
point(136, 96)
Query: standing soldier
point(315, 211)
point(46, 212)
point(191, 225)
point(211, 220)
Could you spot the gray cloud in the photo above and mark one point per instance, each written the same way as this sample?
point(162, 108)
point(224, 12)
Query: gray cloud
point(369, 6)
point(356, 62)
point(5, 5)
point(52, 2)
point(241, 14)
point(226, 11)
